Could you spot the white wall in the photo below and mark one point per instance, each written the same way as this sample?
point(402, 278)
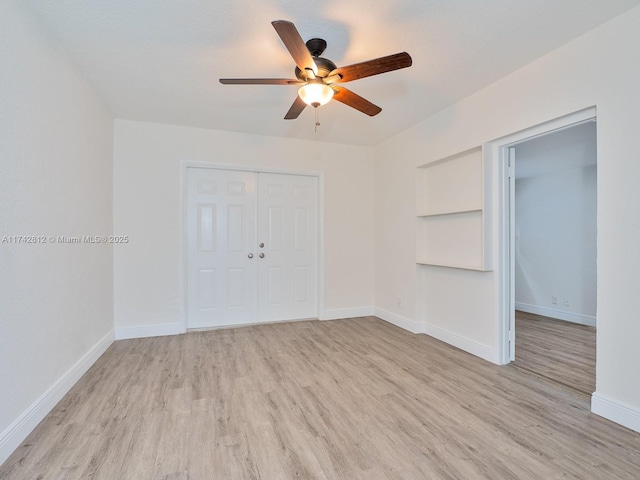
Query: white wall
point(147, 208)
point(395, 237)
point(555, 225)
point(56, 304)
point(595, 69)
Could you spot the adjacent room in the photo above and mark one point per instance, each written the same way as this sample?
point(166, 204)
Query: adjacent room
point(319, 240)
point(555, 255)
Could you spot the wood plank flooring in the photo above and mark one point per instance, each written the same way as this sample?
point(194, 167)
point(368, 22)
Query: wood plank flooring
point(561, 351)
point(347, 399)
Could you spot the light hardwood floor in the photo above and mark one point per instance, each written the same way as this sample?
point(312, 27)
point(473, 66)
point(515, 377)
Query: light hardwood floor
point(561, 351)
point(353, 399)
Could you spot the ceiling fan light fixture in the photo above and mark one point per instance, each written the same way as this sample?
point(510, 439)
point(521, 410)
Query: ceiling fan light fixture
point(315, 94)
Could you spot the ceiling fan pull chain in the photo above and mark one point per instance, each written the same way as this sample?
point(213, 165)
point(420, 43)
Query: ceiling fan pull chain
point(317, 119)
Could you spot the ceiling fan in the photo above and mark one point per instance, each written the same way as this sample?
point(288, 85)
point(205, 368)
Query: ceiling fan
point(318, 77)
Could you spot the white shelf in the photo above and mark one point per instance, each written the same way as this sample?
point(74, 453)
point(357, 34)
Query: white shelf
point(435, 263)
point(452, 212)
point(456, 212)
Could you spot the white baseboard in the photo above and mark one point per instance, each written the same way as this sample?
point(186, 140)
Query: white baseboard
point(15, 434)
point(339, 313)
point(143, 331)
point(463, 343)
point(399, 321)
point(559, 314)
point(615, 411)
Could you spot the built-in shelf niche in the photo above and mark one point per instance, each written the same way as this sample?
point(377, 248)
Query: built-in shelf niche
point(452, 212)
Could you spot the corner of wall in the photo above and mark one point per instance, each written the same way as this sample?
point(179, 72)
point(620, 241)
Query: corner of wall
point(15, 433)
point(615, 411)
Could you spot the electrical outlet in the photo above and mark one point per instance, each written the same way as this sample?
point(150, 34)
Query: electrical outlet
point(554, 299)
point(567, 303)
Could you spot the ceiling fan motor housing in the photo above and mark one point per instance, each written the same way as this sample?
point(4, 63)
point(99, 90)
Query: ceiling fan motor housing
point(325, 67)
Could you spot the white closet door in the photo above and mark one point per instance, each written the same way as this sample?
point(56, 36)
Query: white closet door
point(287, 247)
point(221, 248)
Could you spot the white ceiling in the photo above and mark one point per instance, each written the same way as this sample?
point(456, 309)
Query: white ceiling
point(160, 60)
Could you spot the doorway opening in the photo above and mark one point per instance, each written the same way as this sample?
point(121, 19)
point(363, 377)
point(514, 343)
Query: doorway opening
point(555, 255)
point(546, 249)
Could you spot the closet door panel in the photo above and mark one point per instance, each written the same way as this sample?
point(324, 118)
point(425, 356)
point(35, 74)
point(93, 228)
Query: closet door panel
point(288, 228)
point(221, 235)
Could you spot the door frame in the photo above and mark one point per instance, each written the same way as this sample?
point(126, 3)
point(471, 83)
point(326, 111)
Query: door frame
point(182, 175)
point(504, 228)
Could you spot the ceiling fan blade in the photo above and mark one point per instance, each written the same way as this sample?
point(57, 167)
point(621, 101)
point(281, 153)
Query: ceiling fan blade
point(355, 101)
point(373, 67)
point(260, 81)
point(296, 109)
point(296, 46)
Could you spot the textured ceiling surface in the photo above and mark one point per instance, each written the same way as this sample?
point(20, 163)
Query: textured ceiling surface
point(160, 60)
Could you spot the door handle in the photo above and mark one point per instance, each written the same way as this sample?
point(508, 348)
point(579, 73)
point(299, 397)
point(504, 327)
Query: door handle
point(261, 255)
point(250, 255)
